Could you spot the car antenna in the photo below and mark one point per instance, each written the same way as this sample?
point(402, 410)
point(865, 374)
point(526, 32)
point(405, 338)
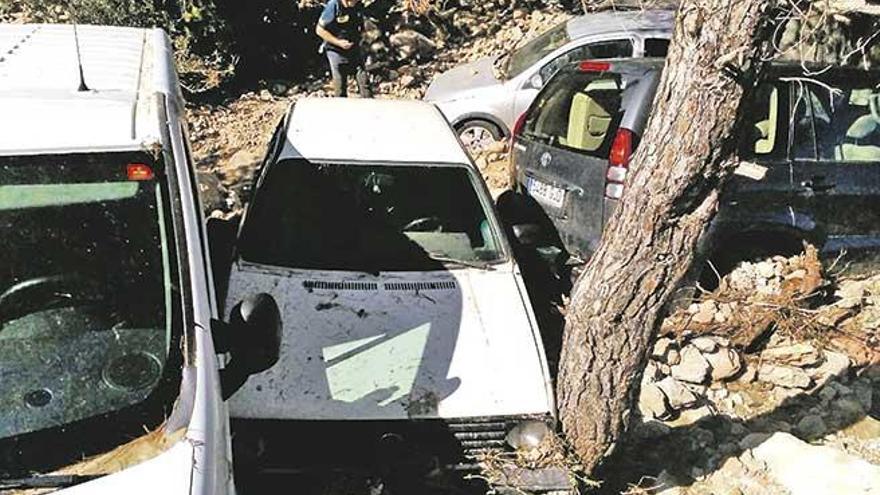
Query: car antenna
point(79, 63)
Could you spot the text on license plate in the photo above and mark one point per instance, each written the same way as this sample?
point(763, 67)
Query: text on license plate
point(551, 195)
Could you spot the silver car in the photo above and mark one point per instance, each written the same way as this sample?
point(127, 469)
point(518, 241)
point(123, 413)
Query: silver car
point(482, 99)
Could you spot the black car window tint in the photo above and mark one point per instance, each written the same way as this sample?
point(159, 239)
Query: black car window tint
point(313, 215)
point(836, 122)
point(656, 47)
point(803, 125)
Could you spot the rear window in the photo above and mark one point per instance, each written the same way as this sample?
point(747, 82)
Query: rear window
point(602, 50)
point(368, 218)
point(577, 111)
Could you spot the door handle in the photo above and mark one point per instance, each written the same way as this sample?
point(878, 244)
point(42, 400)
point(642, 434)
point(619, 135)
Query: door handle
point(817, 184)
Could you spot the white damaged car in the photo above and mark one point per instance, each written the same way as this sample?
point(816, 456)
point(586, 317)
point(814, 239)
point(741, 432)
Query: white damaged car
point(410, 347)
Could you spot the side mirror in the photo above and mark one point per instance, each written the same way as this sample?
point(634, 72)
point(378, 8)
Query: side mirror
point(252, 337)
point(528, 234)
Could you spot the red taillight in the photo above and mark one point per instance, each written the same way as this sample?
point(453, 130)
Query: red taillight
point(621, 148)
point(139, 171)
point(618, 163)
point(593, 66)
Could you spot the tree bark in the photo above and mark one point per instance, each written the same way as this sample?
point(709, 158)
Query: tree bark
point(672, 194)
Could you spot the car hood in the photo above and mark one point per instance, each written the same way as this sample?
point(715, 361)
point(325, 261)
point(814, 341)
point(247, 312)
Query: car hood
point(453, 83)
point(449, 344)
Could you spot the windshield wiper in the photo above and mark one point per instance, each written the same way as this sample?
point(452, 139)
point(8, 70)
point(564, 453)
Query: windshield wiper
point(46, 481)
point(470, 264)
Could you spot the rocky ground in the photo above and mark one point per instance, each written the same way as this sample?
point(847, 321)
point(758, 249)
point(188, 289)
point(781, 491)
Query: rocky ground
point(770, 384)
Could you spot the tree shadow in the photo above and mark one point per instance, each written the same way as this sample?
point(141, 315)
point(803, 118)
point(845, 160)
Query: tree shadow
point(638, 461)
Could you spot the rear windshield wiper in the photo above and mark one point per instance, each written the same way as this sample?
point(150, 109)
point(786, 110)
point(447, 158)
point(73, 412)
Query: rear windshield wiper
point(46, 481)
point(470, 264)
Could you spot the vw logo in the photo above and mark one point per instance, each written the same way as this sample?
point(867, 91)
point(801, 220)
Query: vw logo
point(546, 159)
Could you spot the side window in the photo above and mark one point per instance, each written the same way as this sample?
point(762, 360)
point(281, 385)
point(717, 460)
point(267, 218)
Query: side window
point(839, 123)
point(604, 49)
point(767, 129)
point(656, 47)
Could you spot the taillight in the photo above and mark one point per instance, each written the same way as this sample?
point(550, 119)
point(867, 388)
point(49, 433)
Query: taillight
point(618, 163)
point(621, 148)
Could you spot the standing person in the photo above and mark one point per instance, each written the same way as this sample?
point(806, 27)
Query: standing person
point(340, 27)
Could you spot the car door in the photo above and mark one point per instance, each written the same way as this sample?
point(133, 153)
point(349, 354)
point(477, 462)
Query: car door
point(568, 135)
point(532, 84)
point(762, 195)
point(836, 157)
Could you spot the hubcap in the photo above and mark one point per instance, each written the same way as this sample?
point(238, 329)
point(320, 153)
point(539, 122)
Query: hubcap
point(476, 139)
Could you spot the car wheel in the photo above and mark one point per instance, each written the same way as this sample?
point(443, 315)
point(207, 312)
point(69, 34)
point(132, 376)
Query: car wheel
point(477, 135)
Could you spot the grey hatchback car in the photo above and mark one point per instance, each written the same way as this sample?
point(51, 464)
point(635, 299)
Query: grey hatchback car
point(811, 172)
point(482, 99)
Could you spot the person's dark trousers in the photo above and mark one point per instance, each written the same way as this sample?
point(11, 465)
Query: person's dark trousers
point(342, 66)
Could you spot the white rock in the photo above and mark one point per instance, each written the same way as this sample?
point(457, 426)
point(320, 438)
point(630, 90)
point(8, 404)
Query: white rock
point(834, 365)
point(805, 469)
point(705, 344)
point(765, 269)
point(800, 354)
point(661, 348)
point(673, 357)
point(784, 376)
point(652, 402)
point(651, 373)
point(693, 367)
point(679, 396)
point(705, 312)
point(688, 417)
point(725, 363)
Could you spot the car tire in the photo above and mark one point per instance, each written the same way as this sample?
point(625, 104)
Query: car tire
point(476, 135)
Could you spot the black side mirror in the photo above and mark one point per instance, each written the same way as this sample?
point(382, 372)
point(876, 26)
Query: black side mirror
point(252, 337)
point(528, 234)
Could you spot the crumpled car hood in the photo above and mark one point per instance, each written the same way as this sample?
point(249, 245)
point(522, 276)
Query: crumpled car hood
point(446, 344)
point(451, 84)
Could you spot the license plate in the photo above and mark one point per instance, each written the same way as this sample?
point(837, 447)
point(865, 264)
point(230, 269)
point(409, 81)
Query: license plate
point(545, 193)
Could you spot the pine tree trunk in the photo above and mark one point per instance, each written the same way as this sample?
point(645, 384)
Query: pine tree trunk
point(685, 157)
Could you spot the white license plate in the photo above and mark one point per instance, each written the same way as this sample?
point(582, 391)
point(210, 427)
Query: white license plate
point(545, 193)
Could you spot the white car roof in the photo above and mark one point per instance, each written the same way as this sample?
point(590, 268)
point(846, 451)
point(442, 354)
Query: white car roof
point(43, 110)
point(371, 130)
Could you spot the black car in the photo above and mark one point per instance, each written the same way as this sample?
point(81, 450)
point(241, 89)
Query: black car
point(811, 169)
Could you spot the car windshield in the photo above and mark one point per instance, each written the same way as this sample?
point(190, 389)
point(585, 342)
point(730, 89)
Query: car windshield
point(86, 311)
point(369, 218)
point(528, 55)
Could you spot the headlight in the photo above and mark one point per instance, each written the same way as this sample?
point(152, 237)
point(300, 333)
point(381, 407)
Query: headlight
point(527, 435)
